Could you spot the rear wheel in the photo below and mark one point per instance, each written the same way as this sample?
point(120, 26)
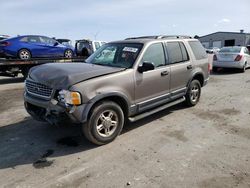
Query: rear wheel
point(243, 68)
point(24, 54)
point(193, 93)
point(105, 123)
point(215, 69)
point(68, 54)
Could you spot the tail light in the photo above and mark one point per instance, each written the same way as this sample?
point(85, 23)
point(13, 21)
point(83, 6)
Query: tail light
point(215, 58)
point(238, 58)
point(5, 43)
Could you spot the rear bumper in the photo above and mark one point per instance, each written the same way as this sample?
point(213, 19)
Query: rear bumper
point(228, 64)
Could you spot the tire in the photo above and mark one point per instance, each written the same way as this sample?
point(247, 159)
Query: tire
point(25, 72)
point(105, 123)
point(215, 69)
point(68, 54)
point(24, 54)
point(85, 52)
point(193, 93)
point(243, 68)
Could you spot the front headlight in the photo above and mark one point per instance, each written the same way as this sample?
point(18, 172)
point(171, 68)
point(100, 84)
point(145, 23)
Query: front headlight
point(70, 97)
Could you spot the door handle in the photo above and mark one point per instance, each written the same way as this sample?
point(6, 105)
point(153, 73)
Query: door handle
point(189, 67)
point(164, 73)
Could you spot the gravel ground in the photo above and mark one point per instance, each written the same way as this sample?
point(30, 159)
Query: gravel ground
point(204, 146)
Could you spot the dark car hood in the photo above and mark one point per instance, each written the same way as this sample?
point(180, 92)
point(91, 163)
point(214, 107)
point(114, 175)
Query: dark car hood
point(64, 75)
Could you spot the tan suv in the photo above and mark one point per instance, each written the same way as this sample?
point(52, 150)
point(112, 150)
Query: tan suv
point(127, 79)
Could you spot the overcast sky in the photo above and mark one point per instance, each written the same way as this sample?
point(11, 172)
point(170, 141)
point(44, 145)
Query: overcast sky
point(117, 19)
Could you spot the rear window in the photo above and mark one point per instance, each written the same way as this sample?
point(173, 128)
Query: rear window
point(230, 49)
point(198, 50)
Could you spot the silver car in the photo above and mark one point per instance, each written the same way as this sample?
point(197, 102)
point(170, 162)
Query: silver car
point(232, 57)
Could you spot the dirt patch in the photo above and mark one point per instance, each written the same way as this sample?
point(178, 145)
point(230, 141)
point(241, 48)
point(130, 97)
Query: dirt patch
point(229, 111)
point(43, 162)
point(177, 134)
point(234, 180)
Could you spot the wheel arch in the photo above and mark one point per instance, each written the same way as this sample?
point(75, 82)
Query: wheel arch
point(197, 76)
point(116, 97)
point(24, 49)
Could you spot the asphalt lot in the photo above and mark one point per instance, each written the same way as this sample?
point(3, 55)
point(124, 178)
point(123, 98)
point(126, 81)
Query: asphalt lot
point(204, 146)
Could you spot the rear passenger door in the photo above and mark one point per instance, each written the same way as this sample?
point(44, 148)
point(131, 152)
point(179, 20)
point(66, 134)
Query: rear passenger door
point(180, 66)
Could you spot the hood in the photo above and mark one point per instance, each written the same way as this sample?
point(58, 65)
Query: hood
point(64, 75)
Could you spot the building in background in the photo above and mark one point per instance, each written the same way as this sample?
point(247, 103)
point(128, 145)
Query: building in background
point(221, 39)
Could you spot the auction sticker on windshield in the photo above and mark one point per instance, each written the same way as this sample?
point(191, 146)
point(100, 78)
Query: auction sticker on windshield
point(130, 49)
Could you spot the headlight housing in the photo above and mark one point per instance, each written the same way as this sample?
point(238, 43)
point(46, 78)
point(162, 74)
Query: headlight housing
point(70, 97)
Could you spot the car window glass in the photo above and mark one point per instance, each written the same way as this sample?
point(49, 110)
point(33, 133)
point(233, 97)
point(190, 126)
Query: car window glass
point(184, 52)
point(97, 45)
point(155, 54)
point(174, 52)
point(198, 50)
point(116, 55)
point(24, 39)
point(246, 51)
point(34, 39)
point(47, 40)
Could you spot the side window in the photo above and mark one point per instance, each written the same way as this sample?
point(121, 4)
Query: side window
point(97, 45)
point(24, 39)
point(174, 52)
point(155, 54)
point(198, 50)
point(184, 52)
point(246, 51)
point(34, 39)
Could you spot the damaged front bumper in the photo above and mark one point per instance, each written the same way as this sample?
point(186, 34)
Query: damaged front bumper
point(53, 111)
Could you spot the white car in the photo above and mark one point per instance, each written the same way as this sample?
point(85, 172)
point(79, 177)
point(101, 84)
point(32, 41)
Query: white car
point(232, 57)
point(212, 50)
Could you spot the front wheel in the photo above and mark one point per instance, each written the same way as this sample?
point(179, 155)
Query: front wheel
point(68, 54)
point(105, 123)
point(193, 93)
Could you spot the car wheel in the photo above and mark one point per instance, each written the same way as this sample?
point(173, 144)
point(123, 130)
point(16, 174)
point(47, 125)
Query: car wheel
point(68, 54)
point(243, 68)
point(24, 54)
point(105, 123)
point(215, 69)
point(193, 93)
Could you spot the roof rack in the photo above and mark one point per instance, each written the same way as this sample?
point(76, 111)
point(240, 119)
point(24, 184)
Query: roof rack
point(161, 37)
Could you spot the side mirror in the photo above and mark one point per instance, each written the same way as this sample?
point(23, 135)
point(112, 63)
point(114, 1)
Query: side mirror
point(56, 43)
point(146, 66)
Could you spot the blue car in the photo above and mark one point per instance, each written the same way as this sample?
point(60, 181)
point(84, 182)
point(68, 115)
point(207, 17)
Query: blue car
point(34, 46)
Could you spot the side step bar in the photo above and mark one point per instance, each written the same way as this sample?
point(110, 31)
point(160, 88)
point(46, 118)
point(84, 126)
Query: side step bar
point(155, 110)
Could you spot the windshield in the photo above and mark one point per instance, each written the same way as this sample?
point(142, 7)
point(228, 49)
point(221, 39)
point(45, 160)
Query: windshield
point(121, 55)
point(235, 49)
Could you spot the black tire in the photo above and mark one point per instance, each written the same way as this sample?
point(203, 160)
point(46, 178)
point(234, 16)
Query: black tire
point(85, 52)
point(68, 54)
point(24, 54)
point(215, 69)
point(243, 69)
point(25, 72)
point(100, 116)
point(193, 93)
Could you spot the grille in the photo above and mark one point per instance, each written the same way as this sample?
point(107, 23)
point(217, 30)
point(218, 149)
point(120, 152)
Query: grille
point(38, 89)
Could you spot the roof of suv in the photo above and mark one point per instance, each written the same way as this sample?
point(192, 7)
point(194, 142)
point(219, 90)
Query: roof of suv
point(146, 39)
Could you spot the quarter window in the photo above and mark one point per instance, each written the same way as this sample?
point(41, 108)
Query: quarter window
point(155, 54)
point(198, 50)
point(174, 52)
